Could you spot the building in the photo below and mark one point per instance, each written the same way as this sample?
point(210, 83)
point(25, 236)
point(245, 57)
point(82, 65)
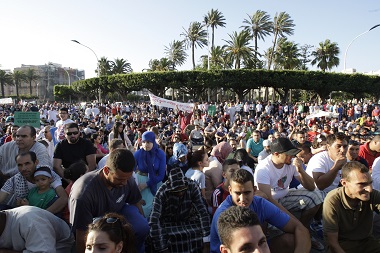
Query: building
point(50, 74)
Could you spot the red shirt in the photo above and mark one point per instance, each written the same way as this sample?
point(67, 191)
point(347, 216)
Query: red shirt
point(218, 196)
point(367, 154)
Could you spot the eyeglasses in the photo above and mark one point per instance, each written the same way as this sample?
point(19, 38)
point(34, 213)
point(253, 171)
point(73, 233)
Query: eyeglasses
point(72, 133)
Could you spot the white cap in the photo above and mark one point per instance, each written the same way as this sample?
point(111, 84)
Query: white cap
point(266, 143)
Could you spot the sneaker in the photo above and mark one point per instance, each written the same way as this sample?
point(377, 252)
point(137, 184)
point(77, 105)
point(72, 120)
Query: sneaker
point(317, 245)
point(317, 228)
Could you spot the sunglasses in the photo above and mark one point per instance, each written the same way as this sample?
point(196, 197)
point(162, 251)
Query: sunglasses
point(169, 147)
point(110, 220)
point(72, 133)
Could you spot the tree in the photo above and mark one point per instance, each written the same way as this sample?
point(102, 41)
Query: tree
point(105, 66)
point(195, 36)
point(238, 47)
point(326, 55)
point(5, 79)
point(18, 77)
point(31, 76)
point(259, 26)
point(164, 64)
point(214, 18)
point(175, 52)
point(282, 25)
point(305, 54)
point(287, 55)
point(120, 66)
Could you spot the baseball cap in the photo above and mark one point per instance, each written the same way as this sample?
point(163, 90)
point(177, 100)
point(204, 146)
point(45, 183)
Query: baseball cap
point(284, 145)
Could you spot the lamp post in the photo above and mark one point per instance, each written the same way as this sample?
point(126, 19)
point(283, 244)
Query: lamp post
point(208, 61)
point(97, 66)
point(345, 54)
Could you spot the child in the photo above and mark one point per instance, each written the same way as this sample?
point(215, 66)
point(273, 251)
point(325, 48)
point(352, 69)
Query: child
point(42, 195)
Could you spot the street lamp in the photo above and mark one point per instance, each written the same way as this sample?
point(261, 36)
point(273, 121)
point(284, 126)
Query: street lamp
point(345, 54)
point(97, 66)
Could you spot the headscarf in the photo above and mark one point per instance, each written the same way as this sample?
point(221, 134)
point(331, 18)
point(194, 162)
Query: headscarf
point(221, 151)
point(179, 150)
point(146, 159)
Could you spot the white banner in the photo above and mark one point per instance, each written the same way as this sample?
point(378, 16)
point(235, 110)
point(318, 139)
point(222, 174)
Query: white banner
point(154, 100)
point(6, 101)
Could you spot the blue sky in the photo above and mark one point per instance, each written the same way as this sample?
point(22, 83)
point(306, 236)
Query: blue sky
point(40, 31)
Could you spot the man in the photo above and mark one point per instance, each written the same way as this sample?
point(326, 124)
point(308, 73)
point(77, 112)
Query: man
point(179, 219)
point(370, 150)
point(265, 152)
point(196, 135)
point(17, 187)
point(48, 137)
point(296, 237)
point(239, 228)
point(64, 119)
point(273, 176)
point(255, 145)
point(325, 166)
point(353, 153)
point(300, 139)
point(348, 212)
point(25, 141)
point(73, 149)
point(32, 229)
point(221, 192)
point(110, 189)
point(12, 136)
point(114, 144)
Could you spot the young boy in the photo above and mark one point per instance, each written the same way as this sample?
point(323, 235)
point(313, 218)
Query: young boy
point(42, 195)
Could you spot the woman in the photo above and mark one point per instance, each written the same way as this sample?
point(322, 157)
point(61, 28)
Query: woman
point(150, 167)
point(118, 133)
point(198, 161)
point(213, 172)
point(169, 150)
point(179, 158)
point(96, 139)
point(110, 234)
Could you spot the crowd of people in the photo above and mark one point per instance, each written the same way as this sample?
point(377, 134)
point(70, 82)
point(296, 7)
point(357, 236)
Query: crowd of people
point(133, 177)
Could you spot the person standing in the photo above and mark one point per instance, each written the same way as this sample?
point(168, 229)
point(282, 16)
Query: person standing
point(60, 125)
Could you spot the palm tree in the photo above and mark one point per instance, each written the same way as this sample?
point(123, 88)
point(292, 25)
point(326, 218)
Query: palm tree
point(18, 77)
point(259, 27)
point(195, 36)
point(326, 55)
point(282, 25)
point(287, 55)
point(238, 47)
point(31, 76)
point(214, 18)
point(120, 66)
point(5, 79)
point(164, 64)
point(105, 66)
point(176, 53)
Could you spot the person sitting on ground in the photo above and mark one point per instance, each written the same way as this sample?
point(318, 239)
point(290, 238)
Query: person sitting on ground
point(42, 195)
point(370, 150)
point(179, 218)
point(348, 212)
point(296, 237)
point(32, 229)
point(196, 135)
point(239, 227)
point(198, 161)
point(265, 152)
point(353, 152)
point(112, 233)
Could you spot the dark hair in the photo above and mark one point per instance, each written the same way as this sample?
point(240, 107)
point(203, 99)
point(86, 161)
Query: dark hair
point(121, 159)
point(115, 130)
point(234, 218)
point(33, 132)
point(195, 157)
point(32, 155)
point(75, 171)
point(241, 155)
point(115, 143)
point(227, 163)
point(242, 176)
point(71, 125)
point(336, 136)
point(118, 231)
point(65, 109)
point(350, 166)
point(93, 137)
point(318, 139)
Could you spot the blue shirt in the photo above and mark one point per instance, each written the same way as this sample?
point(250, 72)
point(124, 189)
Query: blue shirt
point(265, 211)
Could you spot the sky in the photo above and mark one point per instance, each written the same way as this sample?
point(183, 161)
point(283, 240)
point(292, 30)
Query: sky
point(40, 31)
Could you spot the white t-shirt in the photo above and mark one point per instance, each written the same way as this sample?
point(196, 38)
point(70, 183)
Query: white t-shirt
point(376, 174)
point(278, 179)
point(322, 162)
point(197, 176)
